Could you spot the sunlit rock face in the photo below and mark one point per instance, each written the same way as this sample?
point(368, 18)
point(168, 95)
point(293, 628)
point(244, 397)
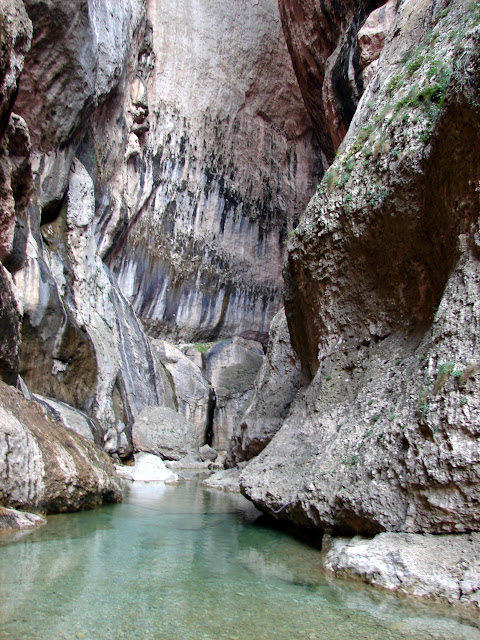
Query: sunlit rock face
point(219, 165)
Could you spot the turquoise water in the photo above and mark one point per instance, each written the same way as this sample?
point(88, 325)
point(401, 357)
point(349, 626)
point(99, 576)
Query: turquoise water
point(183, 563)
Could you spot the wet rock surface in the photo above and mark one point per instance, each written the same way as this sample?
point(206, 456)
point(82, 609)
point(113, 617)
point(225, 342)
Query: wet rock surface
point(13, 520)
point(417, 565)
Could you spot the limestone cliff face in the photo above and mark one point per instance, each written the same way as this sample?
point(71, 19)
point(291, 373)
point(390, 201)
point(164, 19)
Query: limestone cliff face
point(381, 301)
point(15, 177)
point(80, 341)
point(157, 159)
point(219, 165)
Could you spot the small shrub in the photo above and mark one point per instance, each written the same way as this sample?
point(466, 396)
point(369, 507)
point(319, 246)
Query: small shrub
point(445, 370)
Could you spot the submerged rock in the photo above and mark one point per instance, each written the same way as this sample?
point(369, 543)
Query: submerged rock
point(441, 567)
point(12, 520)
point(46, 467)
point(227, 480)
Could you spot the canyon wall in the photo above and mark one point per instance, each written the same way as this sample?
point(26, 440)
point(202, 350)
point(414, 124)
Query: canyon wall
point(382, 302)
point(155, 160)
point(220, 163)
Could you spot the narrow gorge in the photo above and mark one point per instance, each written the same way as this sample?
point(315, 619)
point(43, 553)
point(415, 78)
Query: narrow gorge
point(244, 238)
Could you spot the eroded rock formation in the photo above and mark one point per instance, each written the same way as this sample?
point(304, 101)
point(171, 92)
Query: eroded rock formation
point(276, 386)
point(382, 283)
point(179, 154)
point(195, 230)
point(44, 466)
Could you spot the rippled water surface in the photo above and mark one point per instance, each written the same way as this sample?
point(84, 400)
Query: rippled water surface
point(183, 563)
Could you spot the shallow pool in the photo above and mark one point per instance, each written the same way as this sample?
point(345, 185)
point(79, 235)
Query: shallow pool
point(184, 563)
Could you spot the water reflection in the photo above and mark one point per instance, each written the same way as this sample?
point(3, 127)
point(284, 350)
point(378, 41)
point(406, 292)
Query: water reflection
point(185, 563)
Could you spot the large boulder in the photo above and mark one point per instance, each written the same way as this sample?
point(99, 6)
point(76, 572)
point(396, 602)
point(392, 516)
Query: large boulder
point(45, 467)
point(276, 385)
point(13, 520)
point(192, 392)
point(445, 568)
point(231, 367)
point(382, 290)
point(164, 433)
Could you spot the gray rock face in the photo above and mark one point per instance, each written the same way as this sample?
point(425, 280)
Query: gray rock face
point(82, 343)
point(46, 467)
point(15, 178)
point(78, 55)
point(191, 389)
point(444, 568)
point(71, 418)
point(16, 36)
point(9, 330)
point(231, 367)
point(276, 386)
point(164, 433)
point(213, 185)
point(382, 284)
point(189, 202)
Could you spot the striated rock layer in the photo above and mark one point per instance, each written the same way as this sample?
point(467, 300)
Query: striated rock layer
point(44, 466)
point(169, 143)
point(219, 165)
point(382, 302)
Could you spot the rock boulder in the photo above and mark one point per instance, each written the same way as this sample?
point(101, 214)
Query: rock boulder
point(231, 367)
point(164, 433)
point(275, 387)
point(44, 466)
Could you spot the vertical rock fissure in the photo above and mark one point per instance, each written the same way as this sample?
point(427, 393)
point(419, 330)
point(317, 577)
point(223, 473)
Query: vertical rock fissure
point(212, 403)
